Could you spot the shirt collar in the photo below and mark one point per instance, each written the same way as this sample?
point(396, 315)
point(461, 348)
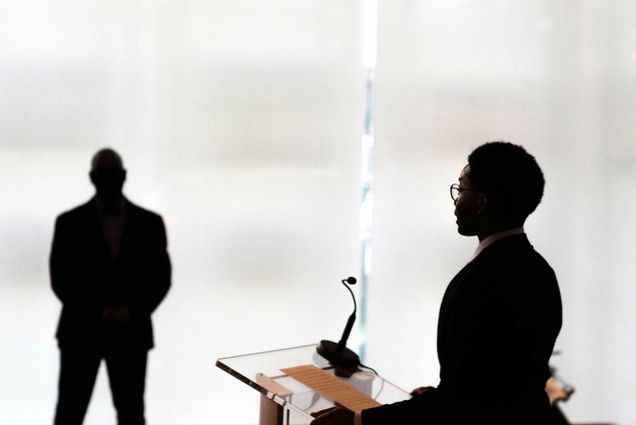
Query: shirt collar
point(116, 209)
point(494, 238)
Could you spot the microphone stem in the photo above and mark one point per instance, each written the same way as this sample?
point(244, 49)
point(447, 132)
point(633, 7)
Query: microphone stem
point(345, 335)
point(355, 305)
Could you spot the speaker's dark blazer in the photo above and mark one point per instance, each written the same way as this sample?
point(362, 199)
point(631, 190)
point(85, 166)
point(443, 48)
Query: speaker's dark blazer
point(498, 322)
point(86, 278)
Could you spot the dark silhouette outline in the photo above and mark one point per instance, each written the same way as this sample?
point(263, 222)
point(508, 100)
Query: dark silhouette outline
point(110, 268)
point(500, 315)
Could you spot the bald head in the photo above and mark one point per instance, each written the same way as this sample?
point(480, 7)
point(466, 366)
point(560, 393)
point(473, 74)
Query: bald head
point(106, 158)
point(108, 175)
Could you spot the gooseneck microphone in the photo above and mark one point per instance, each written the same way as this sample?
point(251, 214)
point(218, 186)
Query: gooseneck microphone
point(347, 330)
point(343, 359)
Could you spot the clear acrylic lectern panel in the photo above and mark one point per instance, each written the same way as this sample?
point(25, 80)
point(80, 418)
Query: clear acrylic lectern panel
point(262, 371)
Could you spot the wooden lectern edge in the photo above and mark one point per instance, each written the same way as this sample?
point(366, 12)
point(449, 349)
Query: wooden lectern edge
point(272, 386)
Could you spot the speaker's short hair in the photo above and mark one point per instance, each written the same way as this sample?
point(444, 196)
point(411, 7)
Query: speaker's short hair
point(509, 177)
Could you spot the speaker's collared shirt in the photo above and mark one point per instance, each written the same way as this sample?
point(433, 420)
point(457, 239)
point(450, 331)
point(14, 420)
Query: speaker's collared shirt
point(494, 238)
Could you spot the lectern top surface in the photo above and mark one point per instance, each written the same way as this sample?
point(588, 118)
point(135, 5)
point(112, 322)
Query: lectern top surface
point(263, 372)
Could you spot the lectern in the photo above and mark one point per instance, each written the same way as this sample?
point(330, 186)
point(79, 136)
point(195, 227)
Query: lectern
point(284, 399)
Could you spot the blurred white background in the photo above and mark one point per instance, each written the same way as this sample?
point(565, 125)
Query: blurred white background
point(240, 122)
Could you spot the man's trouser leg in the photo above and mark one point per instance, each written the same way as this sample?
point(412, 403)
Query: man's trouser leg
point(78, 371)
point(127, 375)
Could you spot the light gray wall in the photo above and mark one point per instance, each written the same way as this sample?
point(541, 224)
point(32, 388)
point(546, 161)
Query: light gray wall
point(241, 121)
point(556, 77)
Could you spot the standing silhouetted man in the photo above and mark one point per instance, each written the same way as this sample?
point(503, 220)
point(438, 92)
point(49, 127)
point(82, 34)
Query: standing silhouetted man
point(110, 269)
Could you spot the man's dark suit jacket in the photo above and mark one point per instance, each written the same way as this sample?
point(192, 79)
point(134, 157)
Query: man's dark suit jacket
point(86, 278)
point(498, 323)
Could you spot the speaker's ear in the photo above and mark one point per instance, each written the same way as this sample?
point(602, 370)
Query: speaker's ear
point(91, 176)
point(483, 203)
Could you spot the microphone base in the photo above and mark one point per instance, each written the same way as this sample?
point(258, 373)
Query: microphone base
point(344, 360)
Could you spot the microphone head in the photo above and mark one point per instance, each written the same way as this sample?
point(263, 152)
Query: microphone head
point(350, 280)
